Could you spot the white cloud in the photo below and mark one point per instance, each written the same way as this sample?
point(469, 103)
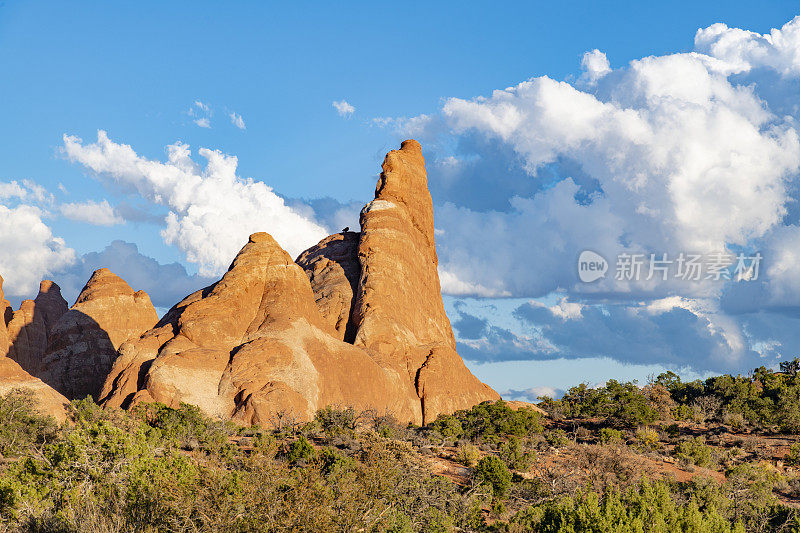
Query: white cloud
point(91, 212)
point(595, 65)
point(744, 50)
point(453, 286)
point(237, 120)
point(212, 210)
point(27, 191)
point(202, 114)
point(30, 251)
point(343, 108)
point(669, 154)
point(564, 309)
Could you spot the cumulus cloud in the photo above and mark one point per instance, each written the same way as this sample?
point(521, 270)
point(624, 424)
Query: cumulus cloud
point(742, 50)
point(30, 250)
point(91, 212)
point(211, 209)
point(166, 284)
point(595, 65)
point(344, 108)
point(668, 154)
point(237, 120)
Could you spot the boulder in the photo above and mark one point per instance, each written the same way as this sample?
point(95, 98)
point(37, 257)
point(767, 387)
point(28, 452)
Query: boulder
point(83, 343)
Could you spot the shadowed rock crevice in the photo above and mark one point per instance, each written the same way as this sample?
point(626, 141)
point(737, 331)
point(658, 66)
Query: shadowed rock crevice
point(333, 270)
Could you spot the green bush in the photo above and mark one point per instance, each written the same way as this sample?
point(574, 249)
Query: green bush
point(793, 457)
point(622, 404)
point(489, 419)
point(467, 455)
point(610, 436)
point(187, 425)
point(647, 438)
point(645, 507)
point(494, 472)
point(696, 451)
point(334, 421)
point(515, 456)
point(300, 449)
point(22, 427)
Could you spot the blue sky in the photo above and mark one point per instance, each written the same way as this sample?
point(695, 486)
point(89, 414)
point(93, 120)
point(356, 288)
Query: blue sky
point(509, 184)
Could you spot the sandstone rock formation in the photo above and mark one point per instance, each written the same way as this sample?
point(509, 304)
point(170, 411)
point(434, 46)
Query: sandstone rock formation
point(30, 326)
point(361, 324)
point(12, 376)
point(333, 269)
point(398, 314)
point(252, 345)
point(83, 342)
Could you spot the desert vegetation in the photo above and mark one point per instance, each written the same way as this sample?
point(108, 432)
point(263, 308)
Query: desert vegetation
point(718, 455)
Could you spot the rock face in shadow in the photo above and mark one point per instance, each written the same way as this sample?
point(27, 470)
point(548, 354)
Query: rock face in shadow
point(6, 313)
point(251, 346)
point(333, 269)
point(13, 376)
point(49, 401)
point(83, 342)
point(30, 326)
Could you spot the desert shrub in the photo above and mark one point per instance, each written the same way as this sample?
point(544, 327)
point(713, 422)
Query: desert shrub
point(299, 449)
point(21, 425)
point(645, 507)
point(514, 454)
point(793, 457)
point(556, 438)
point(467, 454)
point(622, 404)
point(582, 433)
point(386, 426)
point(334, 421)
point(647, 438)
point(682, 412)
point(695, 451)
point(187, 425)
point(494, 472)
point(610, 436)
point(735, 420)
point(489, 419)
